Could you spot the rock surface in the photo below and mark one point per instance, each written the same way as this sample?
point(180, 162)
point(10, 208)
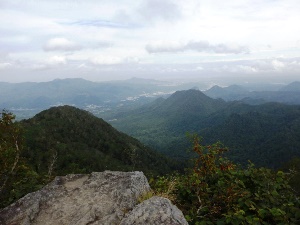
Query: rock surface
point(99, 198)
point(155, 211)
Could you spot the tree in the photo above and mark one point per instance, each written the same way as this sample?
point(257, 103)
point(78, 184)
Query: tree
point(10, 148)
point(16, 177)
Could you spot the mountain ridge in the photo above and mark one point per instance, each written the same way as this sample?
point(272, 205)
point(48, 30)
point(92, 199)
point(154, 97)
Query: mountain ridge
point(28, 98)
point(292, 87)
point(84, 143)
point(246, 129)
point(288, 94)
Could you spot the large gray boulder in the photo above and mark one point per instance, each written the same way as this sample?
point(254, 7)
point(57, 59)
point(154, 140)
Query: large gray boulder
point(99, 198)
point(155, 211)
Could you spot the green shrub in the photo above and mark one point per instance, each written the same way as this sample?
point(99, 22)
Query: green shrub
point(16, 177)
point(216, 191)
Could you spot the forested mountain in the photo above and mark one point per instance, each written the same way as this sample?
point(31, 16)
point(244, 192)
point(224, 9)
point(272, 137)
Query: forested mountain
point(75, 141)
point(165, 121)
point(232, 92)
point(267, 134)
point(289, 94)
point(293, 87)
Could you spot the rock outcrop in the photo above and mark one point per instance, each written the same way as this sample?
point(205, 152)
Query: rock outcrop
point(99, 198)
point(156, 210)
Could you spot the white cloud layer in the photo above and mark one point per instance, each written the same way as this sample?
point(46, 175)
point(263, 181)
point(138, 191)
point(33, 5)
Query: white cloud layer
point(144, 38)
point(61, 44)
point(199, 46)
point(157, 9)
point(5, 65)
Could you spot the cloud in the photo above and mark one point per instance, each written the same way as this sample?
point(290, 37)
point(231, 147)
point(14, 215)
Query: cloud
point(103, 44)
point(277, 65)
point(56, 60)
point(99, 23)
point(51, 63)
point(61, 44)
point(243, 69)
point(111, 60)
point(231, 49)
point(106, 60)
point(107, 33)
point(163, 46)
point(5, 65)
point(262, 66)
point(3, 55)
point(246, 69)
point(199, 46)
point(157, 9)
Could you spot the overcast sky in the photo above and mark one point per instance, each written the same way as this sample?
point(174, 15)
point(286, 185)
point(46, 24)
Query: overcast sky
point(98, 40)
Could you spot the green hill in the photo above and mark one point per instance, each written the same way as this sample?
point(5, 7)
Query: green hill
point(267, 134)
point(165, 122)
point(83, 143)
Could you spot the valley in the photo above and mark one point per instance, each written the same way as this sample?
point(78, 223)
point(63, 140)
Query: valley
point(261, 126)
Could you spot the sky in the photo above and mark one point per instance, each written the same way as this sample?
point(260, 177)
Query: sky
point(99, 40)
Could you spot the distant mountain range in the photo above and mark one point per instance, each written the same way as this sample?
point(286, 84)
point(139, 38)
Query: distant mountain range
point(27, 99)
point(100, 98)
point(292, 87)
point(267, 134)
point(79, 92)
point(78, 142)
point(289, 94)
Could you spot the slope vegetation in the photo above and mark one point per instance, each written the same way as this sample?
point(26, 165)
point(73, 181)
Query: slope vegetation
point(75, 141)
point(267, 134)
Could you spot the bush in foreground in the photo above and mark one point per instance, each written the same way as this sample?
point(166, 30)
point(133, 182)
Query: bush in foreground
point(216, 191)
